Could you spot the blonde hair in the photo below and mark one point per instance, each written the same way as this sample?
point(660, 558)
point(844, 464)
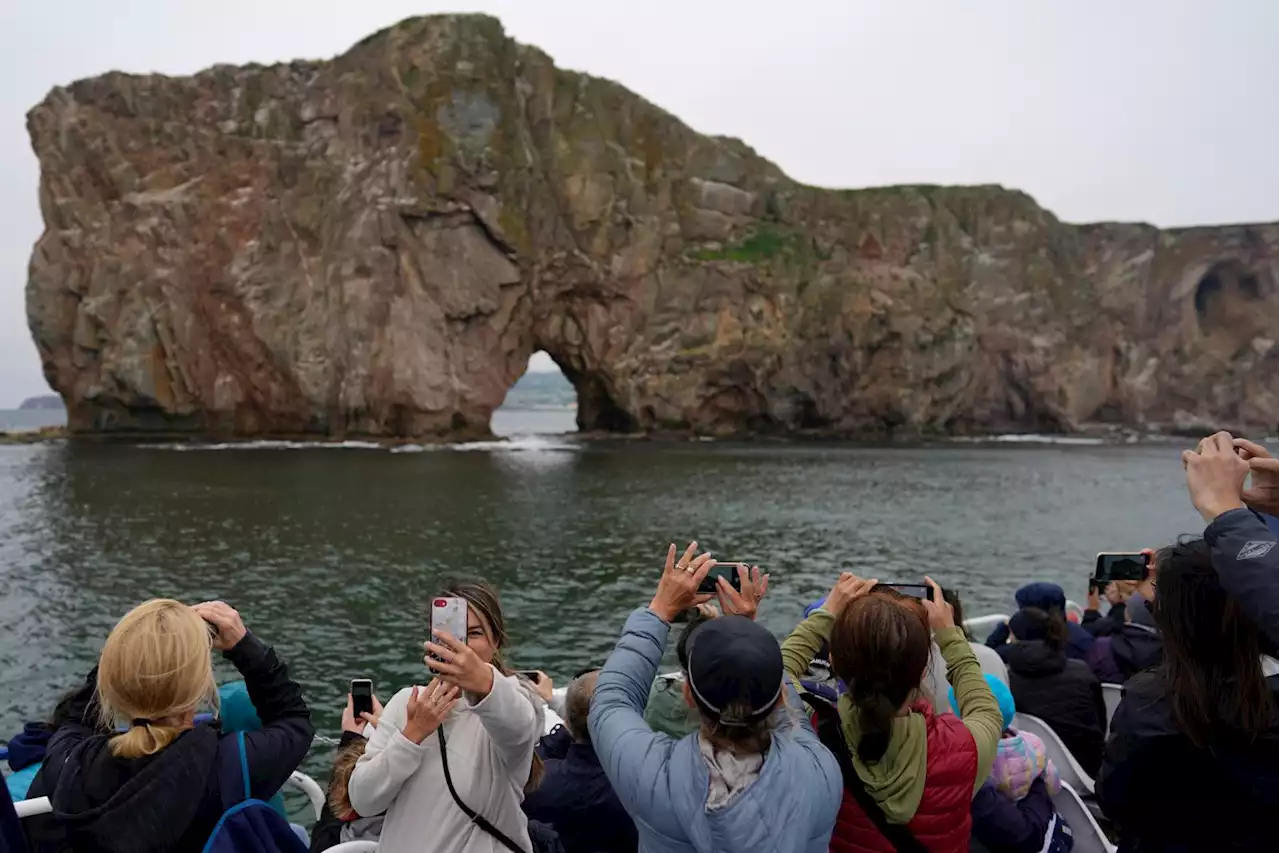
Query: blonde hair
point(343, 765)
point(155, 665)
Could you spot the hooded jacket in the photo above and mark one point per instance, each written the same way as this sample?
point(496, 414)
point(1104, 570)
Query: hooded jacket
point(1046, 596)
point(576, 799)
point(170, 801)
point(1134, 647)
point(1062, 692)
point(1166, 794)
point(664, 783)
point(1243, 551)
point(934, 762)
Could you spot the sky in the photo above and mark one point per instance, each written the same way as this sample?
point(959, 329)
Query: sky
point(1164, 111)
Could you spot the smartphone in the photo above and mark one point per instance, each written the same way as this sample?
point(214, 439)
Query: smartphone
point(361, 696)
point(911, 590)
point(529, 675)
point(449, 614)
point(1120, 566)
point(1097, 586)
point(728, 571)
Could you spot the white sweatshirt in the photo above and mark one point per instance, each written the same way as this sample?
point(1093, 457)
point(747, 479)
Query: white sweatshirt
point(490, 747)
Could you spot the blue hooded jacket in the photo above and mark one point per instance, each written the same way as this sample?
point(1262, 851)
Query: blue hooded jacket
point(663, 782)
point(1046, 596)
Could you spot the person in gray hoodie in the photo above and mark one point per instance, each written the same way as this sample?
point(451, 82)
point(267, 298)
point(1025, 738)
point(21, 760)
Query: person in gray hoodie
point(754, 776)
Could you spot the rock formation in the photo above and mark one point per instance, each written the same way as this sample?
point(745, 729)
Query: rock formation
point(374, 245)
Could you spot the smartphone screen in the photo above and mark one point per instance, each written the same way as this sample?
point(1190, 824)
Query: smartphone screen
point(449, 614)
point(1120, 566)
point(728, 571)
point(911, 590)
point(361, 696)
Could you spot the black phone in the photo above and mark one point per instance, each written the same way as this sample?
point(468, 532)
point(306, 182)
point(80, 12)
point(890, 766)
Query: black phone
point(1097, 586)
point(1120, 566)
point(722, 569)
point(361, 697)
point(530, 675)
point(911, 590)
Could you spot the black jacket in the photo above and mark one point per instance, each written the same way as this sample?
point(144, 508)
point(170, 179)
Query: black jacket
point(576, 798)
point(1064, 693)
point(1001, 825)
point(168, 802)
point(1102, 625)
point(1165, 794)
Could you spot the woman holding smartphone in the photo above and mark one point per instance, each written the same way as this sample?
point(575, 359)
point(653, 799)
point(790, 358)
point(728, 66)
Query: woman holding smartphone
point(449, 763)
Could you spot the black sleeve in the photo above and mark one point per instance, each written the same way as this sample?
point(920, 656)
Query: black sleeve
point(276, 750)
point(80, 716)
point(1088, 616)
point(1001, 824)
point(998, 636)
point(1099, 702)
point(1243, 551)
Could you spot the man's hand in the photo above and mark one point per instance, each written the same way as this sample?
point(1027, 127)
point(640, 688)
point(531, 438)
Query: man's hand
point(1263, 494)
point(678, 586)
point(1215, 476)
point(747, 601)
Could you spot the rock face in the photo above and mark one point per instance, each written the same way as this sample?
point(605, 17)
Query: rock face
point(374, 245)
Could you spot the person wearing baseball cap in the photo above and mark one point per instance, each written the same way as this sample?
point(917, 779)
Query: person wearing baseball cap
point(754, 776)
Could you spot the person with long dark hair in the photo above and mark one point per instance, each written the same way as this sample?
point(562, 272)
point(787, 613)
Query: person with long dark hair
point(1049, 685)
point(491, 722)
point(1191, 761)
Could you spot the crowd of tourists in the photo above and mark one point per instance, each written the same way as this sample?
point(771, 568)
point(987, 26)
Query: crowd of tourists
point(877, 724)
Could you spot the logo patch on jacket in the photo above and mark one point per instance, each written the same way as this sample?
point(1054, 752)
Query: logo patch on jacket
point(1254, 550)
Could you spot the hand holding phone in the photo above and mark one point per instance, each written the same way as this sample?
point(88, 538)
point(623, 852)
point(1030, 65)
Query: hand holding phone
point(1120, 566)
point(450, 614)
point(361, 697)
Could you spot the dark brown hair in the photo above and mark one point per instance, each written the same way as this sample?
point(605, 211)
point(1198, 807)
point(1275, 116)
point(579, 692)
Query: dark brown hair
point(880, 647)
point(1212, 668)
point(1047, 625)
point(482, 597)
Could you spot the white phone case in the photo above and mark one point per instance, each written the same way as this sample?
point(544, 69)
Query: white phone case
point(450, 614)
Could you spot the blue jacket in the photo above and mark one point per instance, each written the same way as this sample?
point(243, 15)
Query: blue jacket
point(1243, 550)
point(663, 782)
point(1001, 825)
point(576, 799)
point(1045, 596)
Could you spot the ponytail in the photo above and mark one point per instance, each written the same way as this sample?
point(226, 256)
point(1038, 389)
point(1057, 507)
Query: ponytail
point(143, 738)
point(875, 718)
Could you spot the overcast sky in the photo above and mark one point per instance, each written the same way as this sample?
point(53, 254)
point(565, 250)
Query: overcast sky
point(1159, 110)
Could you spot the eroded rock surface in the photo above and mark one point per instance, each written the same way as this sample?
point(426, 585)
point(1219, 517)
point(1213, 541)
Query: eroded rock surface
point(374, 245)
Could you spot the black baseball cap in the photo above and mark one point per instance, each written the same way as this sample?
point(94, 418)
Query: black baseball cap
point(734, 660)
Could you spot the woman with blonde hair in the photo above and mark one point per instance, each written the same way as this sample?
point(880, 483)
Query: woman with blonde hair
point(449, 763)
point(131, 771)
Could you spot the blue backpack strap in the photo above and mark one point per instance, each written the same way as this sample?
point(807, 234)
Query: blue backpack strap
point(233, 771)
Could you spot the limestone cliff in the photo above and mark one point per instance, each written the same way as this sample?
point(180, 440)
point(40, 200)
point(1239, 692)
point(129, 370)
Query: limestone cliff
point(374, 245)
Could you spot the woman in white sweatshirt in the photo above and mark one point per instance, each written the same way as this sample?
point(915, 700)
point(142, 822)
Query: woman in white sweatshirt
point(490, 722)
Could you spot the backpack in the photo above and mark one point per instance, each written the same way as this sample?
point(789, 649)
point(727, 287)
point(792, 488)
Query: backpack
point(247, 825)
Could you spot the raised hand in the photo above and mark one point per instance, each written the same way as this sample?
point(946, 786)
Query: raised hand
point(941, 615)
point(351, 724)
point(455, 663)
point(224, 620)
point(1215, 475)
point(427, 708)
point(678, 586)
point(848, 588)
point(1263, 494)
point(744, 602)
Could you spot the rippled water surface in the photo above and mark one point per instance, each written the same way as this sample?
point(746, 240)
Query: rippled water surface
point(330, 553)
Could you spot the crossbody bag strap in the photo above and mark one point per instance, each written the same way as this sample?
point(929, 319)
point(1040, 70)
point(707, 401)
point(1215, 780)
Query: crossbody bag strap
point(476, 818)
point(832, 738)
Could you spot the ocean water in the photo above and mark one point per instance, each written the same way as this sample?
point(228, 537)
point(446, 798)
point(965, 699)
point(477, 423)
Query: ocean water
point(330, 553)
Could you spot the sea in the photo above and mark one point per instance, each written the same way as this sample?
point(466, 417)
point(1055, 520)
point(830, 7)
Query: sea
point(331, 552)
